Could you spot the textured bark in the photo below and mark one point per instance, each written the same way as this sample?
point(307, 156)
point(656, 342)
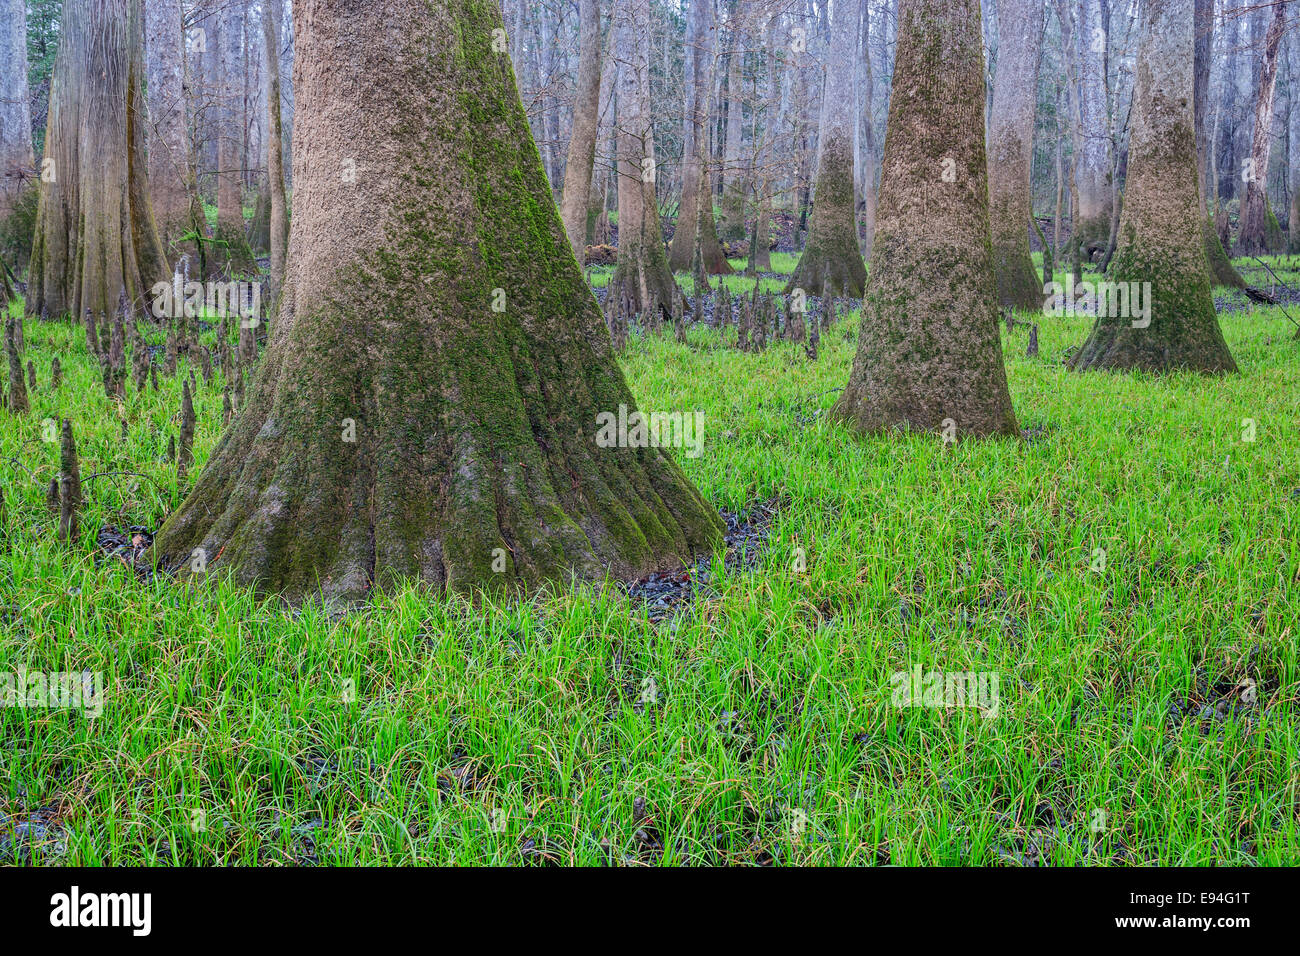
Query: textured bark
point(1259, 234)
point(16, 159)
point(929, 348)
point(582, 141)
point(278, 239)
point(1160, 233)
point(1093, 163)
point(474, 429)
point(1011, 151)
point(642, 273)
point(171, 189)
point(1222, 271)
point(692, 221)
point(231, 254)
point(832, 250)
point(95, 233)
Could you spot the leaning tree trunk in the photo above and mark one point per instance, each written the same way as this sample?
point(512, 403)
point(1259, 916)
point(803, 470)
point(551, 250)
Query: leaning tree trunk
point(232, 252)
point(279, 222)
point(1259, 229)
point(175, 202)
point(1011, 151)
point(95, 234)
point(691, 219)
point(1160, 240)
point(832, 253)
point(1222, 271)
point(16, 158)
point(427, 406)
point(929, 353)
point(582, 141)
point(642, 273)
point(1093, 164)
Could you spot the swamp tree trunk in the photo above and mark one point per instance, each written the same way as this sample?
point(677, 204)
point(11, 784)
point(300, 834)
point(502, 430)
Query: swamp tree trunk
point(95, 232)
point(1093, 164)
point(642, 272)
point(929, 353)
point(399, 426)
point(172, 192)
point(1222, 271)
point(1293, 140)
point(16, 158)
point(232, 252)
point(582, 141)
point(693, 221)
point(832, 251)
point(1160, 234)
point(1011, 151)
point(279, 222)
point(1260, 234)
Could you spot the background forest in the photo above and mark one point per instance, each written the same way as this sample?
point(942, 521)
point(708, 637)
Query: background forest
point(946, 564)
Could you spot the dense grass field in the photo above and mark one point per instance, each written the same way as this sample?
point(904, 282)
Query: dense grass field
point(1130, 574)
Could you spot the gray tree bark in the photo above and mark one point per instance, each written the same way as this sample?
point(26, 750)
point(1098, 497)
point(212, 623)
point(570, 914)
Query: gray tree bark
point(576, 197)
point(17, 162)
point(832, 254)
point(1011, 150)
point(1160, 237)
point(929, 353)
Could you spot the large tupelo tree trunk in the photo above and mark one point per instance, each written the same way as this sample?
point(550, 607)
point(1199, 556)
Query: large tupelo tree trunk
point(695, 221)
point(1011, 151)
point(929, 354)
point(427, 405)
point(586, 118)
point(832, 254)
point(1160, 233)
point(95, 234)
point(641, 274)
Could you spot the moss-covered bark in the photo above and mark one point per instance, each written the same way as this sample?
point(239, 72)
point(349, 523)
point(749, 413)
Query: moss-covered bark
point(832, 252)
point(1161, 240)
point(474, 463)
point(929, 353)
